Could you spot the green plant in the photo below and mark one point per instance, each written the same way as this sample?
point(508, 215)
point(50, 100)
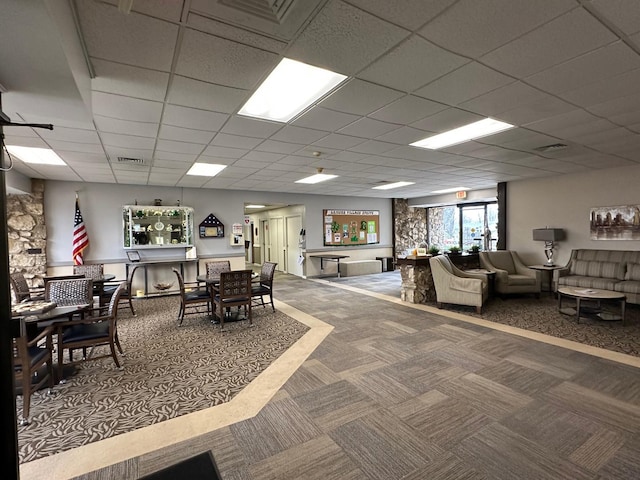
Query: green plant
point(454, 249)
point(474, 248)
point(434, 250)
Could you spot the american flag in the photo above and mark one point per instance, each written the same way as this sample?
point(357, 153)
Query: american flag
point(80, 237)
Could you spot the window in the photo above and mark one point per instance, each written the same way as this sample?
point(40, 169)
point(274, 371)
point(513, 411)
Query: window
point(463, 226)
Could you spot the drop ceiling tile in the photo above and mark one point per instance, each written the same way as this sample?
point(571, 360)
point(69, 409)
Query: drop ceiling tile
point(125, 108)
point(600, 64)
point(274, 146)
point(83, 158)
point(465, 83)
point(503, 99)
point(170, 164)
point(187, 92)
point(127, 141)
point(625, 14)
point(70, 135)
point(344, 39)
point(179, 134)
point(228, 31)
point(373, 146)
point(224, 152)
point(563, 38)
point(293, 134)
point(348, 156)
point(193, 118)
point(235, 141)
point(604, 90)
point(262, 157)
point(297, 160)
point(407, 109)
point(129, 81)
point(338, 141)
point(446, 120)
point(114, 125)
point(483, 25)
point(250, 127)
point(175, 157)
point(403, 136)
point(412, 15)
point(324, 119)
point(132, 39)
point(400, 69)
point(368, 128)
point(544, 107)
point(217, 60)
point(179, 147)
point(360, 97)
point(75, 147)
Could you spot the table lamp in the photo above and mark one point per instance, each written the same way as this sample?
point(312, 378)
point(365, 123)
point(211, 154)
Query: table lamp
point(549, 236)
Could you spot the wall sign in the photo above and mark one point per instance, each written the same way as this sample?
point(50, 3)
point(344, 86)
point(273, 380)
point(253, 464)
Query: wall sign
point(351, 227)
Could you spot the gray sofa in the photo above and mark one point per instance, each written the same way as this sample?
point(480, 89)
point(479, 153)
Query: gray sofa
point(616, 270)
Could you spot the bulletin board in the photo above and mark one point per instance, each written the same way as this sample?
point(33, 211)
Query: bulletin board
point(351, 227)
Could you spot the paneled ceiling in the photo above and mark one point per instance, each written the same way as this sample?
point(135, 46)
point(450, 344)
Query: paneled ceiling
point(162, 83)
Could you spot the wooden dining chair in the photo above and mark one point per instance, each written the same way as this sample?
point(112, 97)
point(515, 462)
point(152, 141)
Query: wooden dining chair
point(99, 327)
point(21, 289)
point(216, 267)
point(234, 290)
point(74, 291)
point(192, 300)
point(127, 294)
point(32, 363)
point(265, 286)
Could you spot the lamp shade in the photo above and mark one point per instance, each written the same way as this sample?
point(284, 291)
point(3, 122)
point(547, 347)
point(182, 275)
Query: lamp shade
point(548, 234)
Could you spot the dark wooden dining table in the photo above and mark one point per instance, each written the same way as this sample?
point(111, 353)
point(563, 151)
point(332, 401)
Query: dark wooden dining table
point(49, 318)
point(212, 282)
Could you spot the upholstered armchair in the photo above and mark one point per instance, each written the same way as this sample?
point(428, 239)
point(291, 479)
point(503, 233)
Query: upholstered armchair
point(455, 286)
point(512, 275)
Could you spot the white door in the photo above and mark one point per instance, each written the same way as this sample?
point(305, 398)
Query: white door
point(276, 234)
point(294, 225)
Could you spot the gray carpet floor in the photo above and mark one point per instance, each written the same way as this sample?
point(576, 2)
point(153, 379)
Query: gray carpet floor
point(395, 392)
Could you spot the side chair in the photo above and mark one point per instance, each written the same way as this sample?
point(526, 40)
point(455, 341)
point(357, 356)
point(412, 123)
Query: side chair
point(265, 286)
point(30, 355)
point(216, 267)
point(192, 300)
point(74, 291)
point(21, 289)
point(127, 294)
point(98, 328)
point(234, 290)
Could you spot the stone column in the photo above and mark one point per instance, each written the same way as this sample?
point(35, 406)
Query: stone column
point(27, 234)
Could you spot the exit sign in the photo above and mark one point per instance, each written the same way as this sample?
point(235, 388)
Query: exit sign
point(462, 194)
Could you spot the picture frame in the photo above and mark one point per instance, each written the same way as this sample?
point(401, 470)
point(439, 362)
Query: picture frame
point(133, 255)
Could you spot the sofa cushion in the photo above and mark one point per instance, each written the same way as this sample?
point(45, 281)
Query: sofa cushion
point(628, 287)
point(588, 282)
point(591, 268)
point(633, 271)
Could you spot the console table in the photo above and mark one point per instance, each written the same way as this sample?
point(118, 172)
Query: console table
point(144, 264)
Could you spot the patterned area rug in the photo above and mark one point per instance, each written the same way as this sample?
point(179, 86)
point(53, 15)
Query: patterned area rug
point(168, 371)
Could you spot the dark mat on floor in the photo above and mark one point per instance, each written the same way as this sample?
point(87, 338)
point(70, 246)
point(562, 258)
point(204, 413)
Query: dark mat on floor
point(200, 467)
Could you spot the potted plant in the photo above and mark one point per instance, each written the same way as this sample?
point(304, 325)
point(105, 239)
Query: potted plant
point(433, 250)
point(455, 250)
point(474, 249)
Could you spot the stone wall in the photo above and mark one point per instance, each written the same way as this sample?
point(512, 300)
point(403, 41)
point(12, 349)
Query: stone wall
point(26, 230)
point(410, 226)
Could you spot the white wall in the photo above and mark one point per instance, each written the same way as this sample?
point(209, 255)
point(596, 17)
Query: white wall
point(101, 206)
point(564, 201)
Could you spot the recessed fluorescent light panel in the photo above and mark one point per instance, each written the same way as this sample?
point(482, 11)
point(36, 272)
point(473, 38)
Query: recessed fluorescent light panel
point(451, 190)
point(389, 186)
point(206, 169)
point(254, 206)
point(289, 89)
point(317, 178)
point(481, 128)
point(42, 156)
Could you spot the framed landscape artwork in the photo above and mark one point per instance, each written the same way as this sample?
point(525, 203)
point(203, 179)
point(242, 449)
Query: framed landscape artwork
point(615, 223)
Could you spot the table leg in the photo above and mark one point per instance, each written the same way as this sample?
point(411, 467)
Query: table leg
point(577, 309)
point(623, 304)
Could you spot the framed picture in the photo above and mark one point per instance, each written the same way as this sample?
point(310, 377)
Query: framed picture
point(133, 255)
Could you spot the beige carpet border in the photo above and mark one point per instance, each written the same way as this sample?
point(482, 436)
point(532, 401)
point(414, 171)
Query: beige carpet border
point(539, 337)
point(244, 405)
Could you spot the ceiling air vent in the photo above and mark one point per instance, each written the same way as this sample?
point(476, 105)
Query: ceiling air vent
point(271, 10)
point(551, 148)
point(137, 161)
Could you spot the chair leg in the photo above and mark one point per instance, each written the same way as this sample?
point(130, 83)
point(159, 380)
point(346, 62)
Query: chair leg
point(117, 340)
point(479, 310)
point(113, 353)
point(133, 312)
point(26, 398)
point(273, 307)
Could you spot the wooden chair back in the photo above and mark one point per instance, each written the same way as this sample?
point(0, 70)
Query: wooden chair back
point(234, 290)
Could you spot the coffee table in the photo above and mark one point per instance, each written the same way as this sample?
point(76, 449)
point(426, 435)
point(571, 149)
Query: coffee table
point(594, 294)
